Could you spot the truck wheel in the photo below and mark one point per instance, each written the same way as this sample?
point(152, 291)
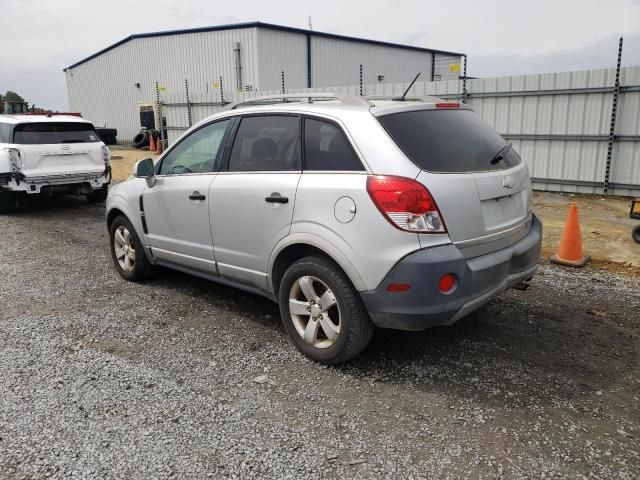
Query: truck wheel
point(322, 312)
point(8, 202)
point(635, 234)
point(98, 196)
point(127, 251)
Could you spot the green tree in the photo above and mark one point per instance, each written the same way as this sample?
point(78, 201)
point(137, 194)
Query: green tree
point(12, 97)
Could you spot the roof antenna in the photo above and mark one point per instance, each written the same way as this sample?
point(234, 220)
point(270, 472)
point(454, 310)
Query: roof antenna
point(401, 99)
point(310, 25)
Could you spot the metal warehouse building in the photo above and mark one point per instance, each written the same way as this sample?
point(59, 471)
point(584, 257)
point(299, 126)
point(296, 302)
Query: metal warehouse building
point(109, 86)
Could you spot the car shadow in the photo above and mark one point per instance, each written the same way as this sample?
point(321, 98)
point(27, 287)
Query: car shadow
point(508, 350)
point(41, 205)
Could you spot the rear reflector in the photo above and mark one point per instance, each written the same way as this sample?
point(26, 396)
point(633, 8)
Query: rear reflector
point(406, 204)
point(448, 105)
point(448, 283)
point(398, 287)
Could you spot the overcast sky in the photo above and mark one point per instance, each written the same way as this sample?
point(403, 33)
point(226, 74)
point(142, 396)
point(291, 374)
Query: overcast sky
point(501, 37)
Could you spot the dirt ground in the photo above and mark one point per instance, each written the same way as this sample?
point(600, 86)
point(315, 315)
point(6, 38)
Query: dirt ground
point(102, 378)
point(123, 159)
point(605, 223)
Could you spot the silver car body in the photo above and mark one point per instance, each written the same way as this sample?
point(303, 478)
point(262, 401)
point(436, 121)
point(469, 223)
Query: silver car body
point(234, 237)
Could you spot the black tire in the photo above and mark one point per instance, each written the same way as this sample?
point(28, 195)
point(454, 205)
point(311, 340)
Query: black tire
point(8, 201)
point(141, 139)
point(141, 269)
point(356, 328)
point(635, 234)
point(98, 196)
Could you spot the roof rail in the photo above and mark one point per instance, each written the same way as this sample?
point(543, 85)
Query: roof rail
point(309, 97)
point(426, 98)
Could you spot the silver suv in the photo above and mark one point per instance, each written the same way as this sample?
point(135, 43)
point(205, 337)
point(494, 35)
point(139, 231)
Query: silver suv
point(349, 212)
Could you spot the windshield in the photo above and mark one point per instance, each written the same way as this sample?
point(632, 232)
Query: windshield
point(449, 141)
point(54, 132)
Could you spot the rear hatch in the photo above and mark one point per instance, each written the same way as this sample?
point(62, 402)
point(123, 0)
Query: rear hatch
point(479, 182)
point(58, 148)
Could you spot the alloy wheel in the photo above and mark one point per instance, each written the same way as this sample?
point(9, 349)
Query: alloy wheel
point(314, 311)
point(125, 252)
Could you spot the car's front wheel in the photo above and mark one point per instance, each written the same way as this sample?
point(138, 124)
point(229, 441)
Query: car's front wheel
point(322, 312)
point(127, 251)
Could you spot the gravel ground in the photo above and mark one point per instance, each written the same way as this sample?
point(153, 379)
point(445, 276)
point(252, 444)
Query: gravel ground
point(179, 377)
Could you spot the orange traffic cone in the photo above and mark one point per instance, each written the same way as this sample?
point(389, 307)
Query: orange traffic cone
point(570, 248)
point(152, 143)
point(159, 147)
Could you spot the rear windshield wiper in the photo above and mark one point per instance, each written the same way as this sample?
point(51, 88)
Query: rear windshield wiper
point(501, 153)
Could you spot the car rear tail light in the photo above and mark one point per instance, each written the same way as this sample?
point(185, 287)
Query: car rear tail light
point(105, 154)
point(448, 283)
point(15, 159)
point(448, 105)
point(406, 203)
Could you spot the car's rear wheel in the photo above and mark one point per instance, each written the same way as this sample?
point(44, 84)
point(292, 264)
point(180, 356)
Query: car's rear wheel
point(127, 251)
point(98, 196)
point(8, 201)
point(322, 312)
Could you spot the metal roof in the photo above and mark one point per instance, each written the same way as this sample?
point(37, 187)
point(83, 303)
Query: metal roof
point(270, 26)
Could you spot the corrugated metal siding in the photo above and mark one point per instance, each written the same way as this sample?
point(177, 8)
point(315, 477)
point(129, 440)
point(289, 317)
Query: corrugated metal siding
point(562, 114)
point(102, 89)
point(337, 62)
point(281, 51)
point(626, 155)
point(561, 162)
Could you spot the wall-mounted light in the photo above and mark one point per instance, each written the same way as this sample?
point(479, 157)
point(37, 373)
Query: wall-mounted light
point(380, 78)
point(137, 85)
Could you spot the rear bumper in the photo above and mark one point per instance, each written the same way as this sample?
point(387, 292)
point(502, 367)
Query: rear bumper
point(18, 182)
point(479, 280)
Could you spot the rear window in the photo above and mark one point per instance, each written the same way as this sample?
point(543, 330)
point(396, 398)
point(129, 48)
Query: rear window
point(448, 141)
point(52, 132)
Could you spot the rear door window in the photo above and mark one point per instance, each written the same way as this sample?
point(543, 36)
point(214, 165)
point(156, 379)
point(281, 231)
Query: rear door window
point(326, 147)
point(448, 141)
point(54, 132)
point(267, 143)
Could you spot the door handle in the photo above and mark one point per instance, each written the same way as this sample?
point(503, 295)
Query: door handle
point(276, 198)
point(196, 196)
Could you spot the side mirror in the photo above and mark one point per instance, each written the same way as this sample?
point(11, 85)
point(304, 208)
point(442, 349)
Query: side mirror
point(145, 169)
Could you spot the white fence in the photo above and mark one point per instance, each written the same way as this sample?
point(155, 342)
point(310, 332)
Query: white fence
point(559, 122)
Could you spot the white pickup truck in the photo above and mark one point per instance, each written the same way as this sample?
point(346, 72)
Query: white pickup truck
point(50, 154)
